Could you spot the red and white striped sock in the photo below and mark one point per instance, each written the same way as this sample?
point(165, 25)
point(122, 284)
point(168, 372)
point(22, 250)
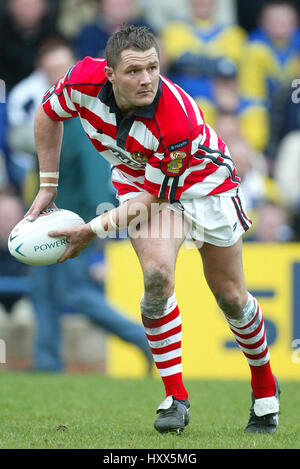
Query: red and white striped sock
point(164, 337)
point(249, 333)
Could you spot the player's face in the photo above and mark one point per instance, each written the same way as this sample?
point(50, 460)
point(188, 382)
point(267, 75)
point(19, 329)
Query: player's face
point(135, 79)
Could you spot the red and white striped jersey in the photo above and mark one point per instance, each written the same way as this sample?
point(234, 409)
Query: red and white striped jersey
point(164, 148)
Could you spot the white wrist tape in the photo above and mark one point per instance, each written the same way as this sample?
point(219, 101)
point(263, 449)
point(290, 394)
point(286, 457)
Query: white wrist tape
point(49, 175)
point(48, 184)
point(97, 226)
point(49, 179)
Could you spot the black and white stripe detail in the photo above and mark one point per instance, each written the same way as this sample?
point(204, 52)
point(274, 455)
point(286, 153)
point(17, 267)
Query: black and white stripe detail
point(48, 95)
point(163, 188)
point(173, 188)
point(244, 220)
point(215, 160)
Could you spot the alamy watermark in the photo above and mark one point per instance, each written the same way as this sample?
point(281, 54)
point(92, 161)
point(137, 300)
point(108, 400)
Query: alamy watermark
point(296, 352)
point(2, 92)
point(2, 351)
point(186, 226)
point(296, 92)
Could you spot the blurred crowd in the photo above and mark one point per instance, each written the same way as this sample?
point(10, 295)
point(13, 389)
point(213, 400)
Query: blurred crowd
point(239, 59)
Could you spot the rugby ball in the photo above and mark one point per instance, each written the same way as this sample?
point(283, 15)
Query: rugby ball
point(30, 243)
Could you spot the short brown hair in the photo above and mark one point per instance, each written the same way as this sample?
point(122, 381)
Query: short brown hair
point(129, 37)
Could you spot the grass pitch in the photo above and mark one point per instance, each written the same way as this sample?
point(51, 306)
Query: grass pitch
point(94, 411)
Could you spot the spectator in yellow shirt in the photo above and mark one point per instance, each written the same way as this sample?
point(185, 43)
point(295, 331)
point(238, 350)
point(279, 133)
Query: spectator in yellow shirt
point(222, 97)
point(201, 37)
point(197, 49)
point(272, 53)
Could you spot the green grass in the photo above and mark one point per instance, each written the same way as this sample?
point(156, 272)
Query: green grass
point(93, 411)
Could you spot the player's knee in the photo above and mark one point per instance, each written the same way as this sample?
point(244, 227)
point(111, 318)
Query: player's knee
point(231, 302)
point(158, 287)
point(158, 280)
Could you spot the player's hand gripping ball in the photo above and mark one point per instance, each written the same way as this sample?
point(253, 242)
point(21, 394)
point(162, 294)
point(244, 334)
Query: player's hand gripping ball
point(30, 243)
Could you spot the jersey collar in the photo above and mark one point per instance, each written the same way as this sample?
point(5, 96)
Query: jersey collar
point(107, 97)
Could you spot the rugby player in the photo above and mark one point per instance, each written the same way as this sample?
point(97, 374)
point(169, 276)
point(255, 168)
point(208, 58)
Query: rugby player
point(163, 155)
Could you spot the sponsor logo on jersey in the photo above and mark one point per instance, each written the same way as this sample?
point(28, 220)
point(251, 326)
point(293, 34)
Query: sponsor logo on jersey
point(123, 158)
point(178, 155)
point(176, 146)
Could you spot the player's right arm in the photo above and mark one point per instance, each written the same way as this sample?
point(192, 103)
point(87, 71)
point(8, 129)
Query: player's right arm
point(58, 106)
point(48, 132)
point(48, 139)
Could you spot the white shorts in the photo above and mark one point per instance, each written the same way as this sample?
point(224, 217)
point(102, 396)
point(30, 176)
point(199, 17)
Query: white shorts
point(215, 219)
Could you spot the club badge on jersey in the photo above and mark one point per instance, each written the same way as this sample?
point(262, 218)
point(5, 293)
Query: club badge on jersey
point(176, 160)
point(176, 164)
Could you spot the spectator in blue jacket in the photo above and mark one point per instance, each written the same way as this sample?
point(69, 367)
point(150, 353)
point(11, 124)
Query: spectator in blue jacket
point(92, 39)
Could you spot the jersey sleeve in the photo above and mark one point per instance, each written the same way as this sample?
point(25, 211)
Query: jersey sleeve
point(57, 101)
